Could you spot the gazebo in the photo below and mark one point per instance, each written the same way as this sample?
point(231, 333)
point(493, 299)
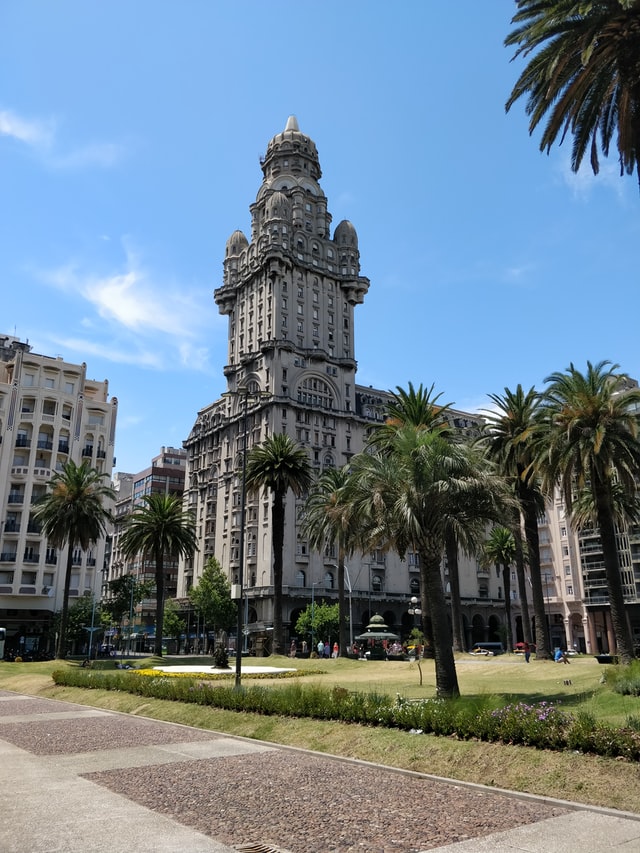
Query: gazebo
point(376, 637)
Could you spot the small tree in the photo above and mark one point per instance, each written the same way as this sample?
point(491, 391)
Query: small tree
point(78, 620)
point(173, 625)
point(320, 621)
point(211, 597)
point(126, 593)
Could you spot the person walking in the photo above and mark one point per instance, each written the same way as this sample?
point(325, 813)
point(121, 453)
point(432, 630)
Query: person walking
point(320, 649)
point(527, 652)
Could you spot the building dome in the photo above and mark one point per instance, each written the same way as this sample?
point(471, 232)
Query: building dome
point(278, 206)
point(292, 143)
point(345, 234)
point(236, 243)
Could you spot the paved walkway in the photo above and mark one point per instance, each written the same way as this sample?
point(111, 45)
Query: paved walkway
point(83, 780)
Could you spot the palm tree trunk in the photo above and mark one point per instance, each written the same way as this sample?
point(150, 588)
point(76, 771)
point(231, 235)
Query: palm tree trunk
point(61, 649)
point(506, 580)
point(159, 561)
point(446, 676)
point(454, 580)
point(543, 641)
point(277, 521)
point(622, 631)
point(522, 581)
point(342, 610)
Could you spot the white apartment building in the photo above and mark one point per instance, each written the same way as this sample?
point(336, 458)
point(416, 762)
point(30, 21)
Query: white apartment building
point(50, 413)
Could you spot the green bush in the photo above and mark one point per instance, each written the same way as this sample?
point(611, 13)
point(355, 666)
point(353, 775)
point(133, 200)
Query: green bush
point(541, 725)
point(624, 679)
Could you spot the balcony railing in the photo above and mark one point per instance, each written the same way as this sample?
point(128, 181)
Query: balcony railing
point(6, 557)
point(34, 527)
point(45, 444)
point(63, 446)
point(32, 558)
point(88, 450)
point(23, 441)
point(16, 498)
point(11, 527)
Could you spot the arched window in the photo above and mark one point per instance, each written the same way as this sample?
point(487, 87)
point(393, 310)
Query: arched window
point(376, 583)
point(328, 580)
point(301, 578)
point(414, 586)
point(315, 392)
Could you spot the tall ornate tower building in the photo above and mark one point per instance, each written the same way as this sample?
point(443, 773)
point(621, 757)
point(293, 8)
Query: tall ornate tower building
point(290, 292)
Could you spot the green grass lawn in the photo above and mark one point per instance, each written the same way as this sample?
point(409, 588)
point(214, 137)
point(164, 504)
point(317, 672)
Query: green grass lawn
point(584, 778)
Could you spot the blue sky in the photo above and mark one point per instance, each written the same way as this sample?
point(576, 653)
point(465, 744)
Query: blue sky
point(130, 136)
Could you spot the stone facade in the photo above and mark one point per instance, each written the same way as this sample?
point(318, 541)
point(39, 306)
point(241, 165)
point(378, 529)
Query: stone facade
point(290, 293)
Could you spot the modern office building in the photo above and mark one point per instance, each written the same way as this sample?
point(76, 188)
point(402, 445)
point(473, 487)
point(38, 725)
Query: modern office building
point(50, 413)
point(165, 475)
point(290, 291)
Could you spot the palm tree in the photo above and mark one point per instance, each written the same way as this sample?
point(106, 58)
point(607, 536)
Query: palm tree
point(328, 521)
point(404, 498)
point(278, 464)
point(500, 548)
point(592, 443)
point(159, 528)
point(509, 437)
point(585, 77)
point(415, 407)
point(73, 513)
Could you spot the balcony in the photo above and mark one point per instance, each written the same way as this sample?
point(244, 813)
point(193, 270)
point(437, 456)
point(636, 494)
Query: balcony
point(34, 527)
point(23, 441)
point(12, 527)
point(88, 450)
point(63, 446)
point(50, 559)
point(31, 558)
point(6, 557)
point(101, 454)
point(16, 497)
point(45, 444)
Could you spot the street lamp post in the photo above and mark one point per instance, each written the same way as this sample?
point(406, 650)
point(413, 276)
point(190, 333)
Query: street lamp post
point(415, 610)
point(313, 610)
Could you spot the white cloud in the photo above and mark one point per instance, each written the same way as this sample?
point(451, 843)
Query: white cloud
point(101, 154)
point(38, 134)
point(41, 136)
point(583, 182)
point(113, 351)
point(138, 318)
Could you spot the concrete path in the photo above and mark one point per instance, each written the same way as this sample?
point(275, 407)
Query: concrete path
point(72, 777)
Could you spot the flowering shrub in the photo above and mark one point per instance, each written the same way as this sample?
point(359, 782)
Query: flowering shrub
point(542, 725)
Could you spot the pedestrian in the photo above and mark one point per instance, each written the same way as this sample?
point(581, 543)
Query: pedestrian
point(292, 650)
point(527, 652)
point(305, 647)
point(327, 649)
point(320, 648)
point(336, 649)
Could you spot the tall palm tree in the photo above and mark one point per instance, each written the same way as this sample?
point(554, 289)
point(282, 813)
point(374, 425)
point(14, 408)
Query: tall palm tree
point(73, 513)
point(278, 464)
point(500, 549)
point(328, 520)
point(584, 76)
point(592, 442)
point(416, 407)
point(509, 438)
point(159, 528)
point(404, 498)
